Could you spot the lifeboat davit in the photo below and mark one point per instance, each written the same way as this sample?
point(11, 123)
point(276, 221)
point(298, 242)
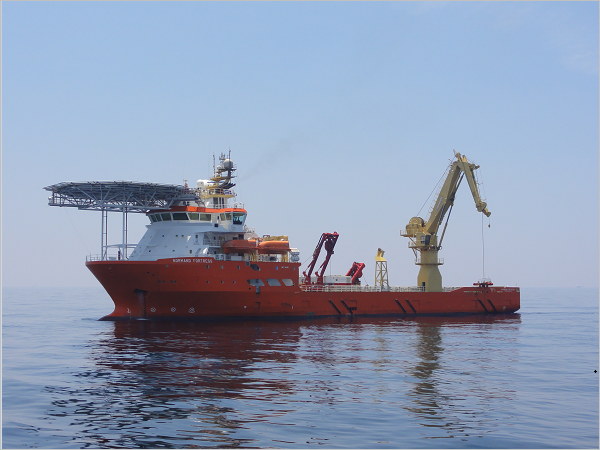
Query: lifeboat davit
point(273, 247)
point(239, 246)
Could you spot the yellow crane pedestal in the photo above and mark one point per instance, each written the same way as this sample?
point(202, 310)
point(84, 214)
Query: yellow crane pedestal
point(429, 274)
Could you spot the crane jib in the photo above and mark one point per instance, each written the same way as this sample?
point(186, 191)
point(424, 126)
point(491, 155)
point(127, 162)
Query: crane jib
point(442, 214)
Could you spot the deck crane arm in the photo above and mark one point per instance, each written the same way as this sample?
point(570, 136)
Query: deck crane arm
point(468, 171)
point(356, 272)
point(459, 169)
point(329, 240)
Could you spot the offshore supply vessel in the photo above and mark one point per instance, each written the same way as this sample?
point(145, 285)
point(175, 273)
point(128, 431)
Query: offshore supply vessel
point(199, 260)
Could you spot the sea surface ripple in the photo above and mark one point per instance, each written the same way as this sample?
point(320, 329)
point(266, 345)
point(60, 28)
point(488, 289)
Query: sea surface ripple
point(522, 380)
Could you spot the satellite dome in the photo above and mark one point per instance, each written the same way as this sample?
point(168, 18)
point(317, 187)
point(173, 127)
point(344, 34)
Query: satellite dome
point(227, 164)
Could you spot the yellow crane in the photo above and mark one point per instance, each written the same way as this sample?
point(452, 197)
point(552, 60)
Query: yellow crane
point(423, 235)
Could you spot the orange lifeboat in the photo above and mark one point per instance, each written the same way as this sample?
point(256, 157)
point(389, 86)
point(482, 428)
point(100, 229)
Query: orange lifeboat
point(273, 247)
point(239, 246)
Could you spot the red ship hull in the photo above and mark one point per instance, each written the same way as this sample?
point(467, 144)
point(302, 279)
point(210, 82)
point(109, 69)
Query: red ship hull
point(204, 288)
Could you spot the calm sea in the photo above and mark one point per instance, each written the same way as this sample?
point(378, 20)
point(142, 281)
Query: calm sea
point(521, 380)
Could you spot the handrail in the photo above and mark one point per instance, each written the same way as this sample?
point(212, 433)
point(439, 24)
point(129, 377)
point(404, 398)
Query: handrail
point(451, 288)
point(356, 288)
point(237, 205)
point(106, 257)
point(419, 262)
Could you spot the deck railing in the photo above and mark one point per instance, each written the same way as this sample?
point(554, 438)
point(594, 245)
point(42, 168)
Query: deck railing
point(114, 255)
point(419, 262)
point(106, 258)
point(355, 288)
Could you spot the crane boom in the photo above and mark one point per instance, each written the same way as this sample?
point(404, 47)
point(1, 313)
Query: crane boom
point(329, 240)
point(356, 272)
point(461, 167)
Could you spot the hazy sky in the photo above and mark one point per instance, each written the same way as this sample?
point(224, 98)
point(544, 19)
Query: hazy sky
point(340, 117)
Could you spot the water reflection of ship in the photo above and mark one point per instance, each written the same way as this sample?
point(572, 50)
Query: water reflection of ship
point(209, 359)
point(203, 379)
point(151, 373)
point(225, 357)
point(435, 398)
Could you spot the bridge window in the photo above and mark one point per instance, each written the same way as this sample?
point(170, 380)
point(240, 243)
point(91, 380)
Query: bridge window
point(193, 216)
point(205, 217)
point(166, 216)
point(152, 218)
point(180, 216)
point(273, 282)
point(288, 282)
point(238, 218)
point(256, 282)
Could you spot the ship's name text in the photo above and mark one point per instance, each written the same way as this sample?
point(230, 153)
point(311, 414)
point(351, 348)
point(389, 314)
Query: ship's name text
point(193, 260)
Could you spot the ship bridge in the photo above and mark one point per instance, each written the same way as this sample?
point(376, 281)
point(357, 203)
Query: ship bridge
point(119, 196)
